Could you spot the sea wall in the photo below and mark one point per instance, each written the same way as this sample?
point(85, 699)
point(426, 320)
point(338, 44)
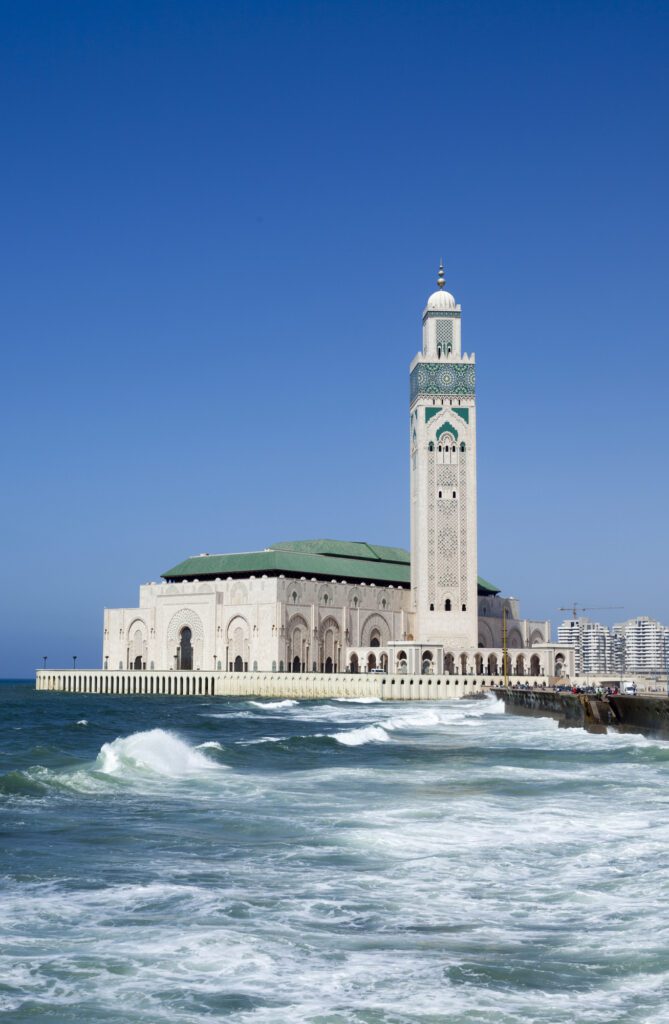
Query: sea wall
point(306, 685)
point(646, 715)
point(569, 709)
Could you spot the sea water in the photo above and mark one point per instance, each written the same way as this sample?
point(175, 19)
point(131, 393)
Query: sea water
point(332, 862)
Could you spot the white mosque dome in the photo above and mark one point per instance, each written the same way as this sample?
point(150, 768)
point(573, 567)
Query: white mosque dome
point(441, 300)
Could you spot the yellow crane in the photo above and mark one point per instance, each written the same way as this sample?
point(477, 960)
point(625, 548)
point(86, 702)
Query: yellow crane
point(576, 608)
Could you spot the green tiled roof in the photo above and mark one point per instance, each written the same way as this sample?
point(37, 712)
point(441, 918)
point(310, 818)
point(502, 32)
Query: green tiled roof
point(354, 561)
point(486, 588)
point(345, 549)
point(290, 563)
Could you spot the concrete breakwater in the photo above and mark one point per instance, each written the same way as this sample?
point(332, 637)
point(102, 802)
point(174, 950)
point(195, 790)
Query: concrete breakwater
point(646, 715)
point(299, 685)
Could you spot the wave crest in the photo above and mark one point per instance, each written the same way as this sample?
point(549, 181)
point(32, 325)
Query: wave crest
point(366, 734)
point(358, 700)
point(273, 703)
point(155, 752)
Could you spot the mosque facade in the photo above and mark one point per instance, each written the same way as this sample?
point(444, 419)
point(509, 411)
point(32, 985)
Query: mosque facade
point(349, 606)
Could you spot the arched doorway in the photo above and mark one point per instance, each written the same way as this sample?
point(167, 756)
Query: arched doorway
point(329, 645)
point(375, 639)
point(534, 665)
point(427, 662)
point(137, 663)
point(238, 664)
point(492, 665)
point(355, 664)
point(463, 664)
point(449, 664)
point(371, 662)
point(297, 664)
point(401, 661)
point(520, 665)
point(185, 656)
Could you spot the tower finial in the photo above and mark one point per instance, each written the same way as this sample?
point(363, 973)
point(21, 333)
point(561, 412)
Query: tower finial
point(441, 280)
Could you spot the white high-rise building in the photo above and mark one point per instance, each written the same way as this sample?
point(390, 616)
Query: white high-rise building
point(569, 634)
point(642, 646)
point(592, 643)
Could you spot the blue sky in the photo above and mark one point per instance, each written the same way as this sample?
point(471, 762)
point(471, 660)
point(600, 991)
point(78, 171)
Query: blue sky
point(220, 223)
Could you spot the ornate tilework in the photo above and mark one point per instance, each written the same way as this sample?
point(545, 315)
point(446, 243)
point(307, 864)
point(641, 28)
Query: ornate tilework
point(443, 379)
point(464, 413)
point(454, 314)
point(184, 617)
point(463, 530)
point(444, 333)
point(447, 428)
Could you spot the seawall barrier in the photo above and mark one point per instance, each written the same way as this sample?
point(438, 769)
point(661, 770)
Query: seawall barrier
point(304, 685)
point(648, 715)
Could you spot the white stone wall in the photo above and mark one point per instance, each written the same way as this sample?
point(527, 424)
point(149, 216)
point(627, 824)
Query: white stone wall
point(524, 633)
point(266, 622)
point(269, 621)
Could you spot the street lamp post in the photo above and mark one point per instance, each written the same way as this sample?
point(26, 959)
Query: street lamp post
point(44, 657)
point(74, 661)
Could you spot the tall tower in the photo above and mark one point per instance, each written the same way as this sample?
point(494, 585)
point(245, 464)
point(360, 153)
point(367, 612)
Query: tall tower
point(443, 481)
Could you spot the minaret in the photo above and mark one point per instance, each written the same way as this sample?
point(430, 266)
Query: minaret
point(443, 482)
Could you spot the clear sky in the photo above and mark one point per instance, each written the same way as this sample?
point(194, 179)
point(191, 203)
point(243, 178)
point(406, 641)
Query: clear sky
point(220, 223)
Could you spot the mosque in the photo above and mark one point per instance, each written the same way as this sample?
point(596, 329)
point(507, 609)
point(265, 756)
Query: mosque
point(333, 606)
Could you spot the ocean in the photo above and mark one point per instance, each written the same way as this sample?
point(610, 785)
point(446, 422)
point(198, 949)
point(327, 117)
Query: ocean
point(333, 862)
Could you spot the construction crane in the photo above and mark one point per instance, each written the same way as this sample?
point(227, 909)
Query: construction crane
point(575, 608)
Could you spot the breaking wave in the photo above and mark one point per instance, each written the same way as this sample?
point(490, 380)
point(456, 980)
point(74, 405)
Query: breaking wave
point(366, 734)
point(358, 700)
point(273, 704)
point(155, 752)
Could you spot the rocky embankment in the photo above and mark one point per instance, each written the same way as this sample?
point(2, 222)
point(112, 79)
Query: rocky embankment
point(646, 715)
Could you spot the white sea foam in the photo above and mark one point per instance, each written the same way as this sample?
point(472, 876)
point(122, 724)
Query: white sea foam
point(82, 721)
point(520, 884)
point(274, 704)
point(416, 719)
point(357, 737)
point(358, 700)
point(209, 745)
point(155, 752)
point(226, 714)
point(262, 739)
